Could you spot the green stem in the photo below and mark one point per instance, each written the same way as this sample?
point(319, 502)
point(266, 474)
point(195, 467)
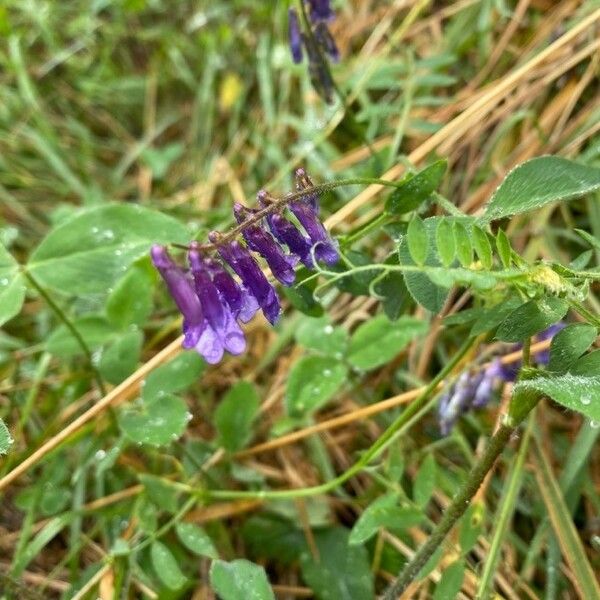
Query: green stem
point(456, 510)
point(505, 512)
point(69, 325)
point(585, 313)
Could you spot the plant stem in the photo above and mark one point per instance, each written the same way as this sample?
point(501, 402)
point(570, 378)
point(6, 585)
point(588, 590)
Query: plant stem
point(456, 510)
point(278, 204)
point(69, 325)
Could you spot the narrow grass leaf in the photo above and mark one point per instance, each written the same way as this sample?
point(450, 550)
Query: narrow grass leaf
point(573, 552)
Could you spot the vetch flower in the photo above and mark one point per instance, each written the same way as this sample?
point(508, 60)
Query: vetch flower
point(320, 10)
point(294, 35)
point(326, 41)
point(181, 288)
point(261, 241)
point(476, 390)
point(324, 246)
point(247, 269)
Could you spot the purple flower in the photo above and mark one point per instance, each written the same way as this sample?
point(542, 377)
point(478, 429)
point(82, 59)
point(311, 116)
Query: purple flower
point(261, 241)
point(247, 269)
point(285, 232)
point(324, 246)
point(326, 41)
point(207, 292)
point(320, 10)
point(294, 36)
point(219, 331)
point(318, 71)
point(181, 289)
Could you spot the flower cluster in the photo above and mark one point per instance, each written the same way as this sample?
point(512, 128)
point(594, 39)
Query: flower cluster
point(215, 294)
point(475, 390)
point(318, 43)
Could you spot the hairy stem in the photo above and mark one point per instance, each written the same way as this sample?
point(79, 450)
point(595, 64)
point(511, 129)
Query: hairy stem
point(277, 204)
point(456, 510)
point(58, 311)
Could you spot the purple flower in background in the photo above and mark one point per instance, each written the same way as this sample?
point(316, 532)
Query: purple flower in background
point(261, 241)
point(476, 390)
point(317, 40)
point(320, 10)
point(295, 36)
point(326, 41)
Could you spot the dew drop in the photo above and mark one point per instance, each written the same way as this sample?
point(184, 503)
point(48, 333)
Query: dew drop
point(328, 329)
point(585, 400)
point(594, 424)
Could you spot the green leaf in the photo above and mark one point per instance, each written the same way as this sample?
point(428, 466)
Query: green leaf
point(490, 318)
point(130, 302)
point(379, 340)
point(273, 537)
point(576, 392)
point(425, 481)
point(392, 291)
point(162, 495)
point(174, 376)
point(417, 240)
point(94, 329)
point(504, 249)
point(569, 344)
point(531, 318)
point(341, 571)
point(12, 296)
point(444, 238)
point(451, 581)
point(121, 358)
point(587, 365)
point(416, 189)
point(538, 182)
point(91, 251)
point(166, 566)
point(240, 580)
point(12, 286)
point(483, 247)
point(592, 240)
point(321, 336)
point(301, 295)
point(312, 382)
point(196, 540)
point(462, 240)
point(5, 438)
point(421, 288)
point(158, 423)
point(235, 414)
point(384, 513)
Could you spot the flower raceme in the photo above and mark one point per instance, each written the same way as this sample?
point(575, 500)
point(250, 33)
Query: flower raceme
point(215, 294)
point(317, 41)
